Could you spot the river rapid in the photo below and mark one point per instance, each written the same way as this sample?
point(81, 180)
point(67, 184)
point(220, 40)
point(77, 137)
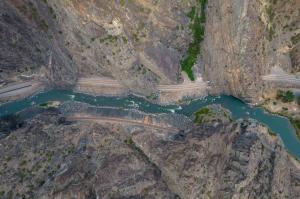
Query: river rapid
point(277, 124)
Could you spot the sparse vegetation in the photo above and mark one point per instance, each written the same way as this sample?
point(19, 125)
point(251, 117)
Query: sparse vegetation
point(199, 115)
point(43, 105)
point(285, 97)
point(197, 18)
point(109, 38)
point(125, 40)
point(271, 27)
point(152, 96)
point(41, 23)
point(296, 39)
point(296, 125)
point(271, 132)
point(129, 141)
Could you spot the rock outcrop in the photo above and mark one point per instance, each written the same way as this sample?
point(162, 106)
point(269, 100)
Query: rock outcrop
point(49, 157)
point(31, 44)
point(142, 43)
point(245, 40)
point(139, 43)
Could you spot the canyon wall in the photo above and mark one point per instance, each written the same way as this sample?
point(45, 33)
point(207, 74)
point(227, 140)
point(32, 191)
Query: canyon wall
point(47, 156)
point(142, 43)
point(245, 40)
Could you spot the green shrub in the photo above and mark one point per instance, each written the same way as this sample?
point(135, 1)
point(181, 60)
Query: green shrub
point(285, 97)
point(129, 141)
point(197, 28)
point(295, 39)
point(200, 114)
point(43, 104)
point(296, 124)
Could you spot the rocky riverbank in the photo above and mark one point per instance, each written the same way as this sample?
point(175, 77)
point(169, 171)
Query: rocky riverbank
point(47, 156)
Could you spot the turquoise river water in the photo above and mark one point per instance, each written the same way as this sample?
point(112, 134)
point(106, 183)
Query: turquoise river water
point(277, 124)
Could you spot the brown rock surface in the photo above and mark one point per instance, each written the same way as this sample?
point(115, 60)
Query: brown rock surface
point(49, 157)
point(244, 40)
point(140, 43)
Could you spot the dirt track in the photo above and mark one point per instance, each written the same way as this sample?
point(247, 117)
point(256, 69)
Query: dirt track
point(20, 90)
point(163, 88)
point(101, 119)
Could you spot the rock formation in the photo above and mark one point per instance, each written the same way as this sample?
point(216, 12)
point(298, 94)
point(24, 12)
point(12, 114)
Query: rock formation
point(142, 43)
point(245, 40)
point(50, 157)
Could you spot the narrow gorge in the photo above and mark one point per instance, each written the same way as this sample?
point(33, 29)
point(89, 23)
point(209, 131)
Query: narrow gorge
point(149, 99)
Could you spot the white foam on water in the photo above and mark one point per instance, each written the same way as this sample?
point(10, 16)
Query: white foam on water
point(179, 108)
point(133, 104)
point(72, 97)
point(172, 110)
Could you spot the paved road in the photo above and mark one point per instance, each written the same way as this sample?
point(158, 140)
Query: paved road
point(164, 88)
point(101, 119)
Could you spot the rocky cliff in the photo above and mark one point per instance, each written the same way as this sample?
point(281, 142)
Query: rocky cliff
point(140, 43)
point(245, 40)
point(46, 156)
point(143, 43)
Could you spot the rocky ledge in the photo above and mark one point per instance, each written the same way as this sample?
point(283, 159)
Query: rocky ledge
point(46, 156)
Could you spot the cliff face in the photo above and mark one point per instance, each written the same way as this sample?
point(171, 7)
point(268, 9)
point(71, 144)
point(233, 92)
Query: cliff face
point(138, 43)
point(49, 157)
point(31, 44)
point(142, 43)
point(245, 39)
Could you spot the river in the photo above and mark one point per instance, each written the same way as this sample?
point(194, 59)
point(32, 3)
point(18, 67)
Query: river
point(277, 124)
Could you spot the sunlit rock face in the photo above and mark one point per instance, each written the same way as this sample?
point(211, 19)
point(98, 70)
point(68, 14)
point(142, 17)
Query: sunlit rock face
point(48, 156)
point(142, 43)
point(244, 40)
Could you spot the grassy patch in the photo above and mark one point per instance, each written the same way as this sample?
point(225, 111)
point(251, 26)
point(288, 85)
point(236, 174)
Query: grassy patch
point(200, 115)
point(197, 25)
